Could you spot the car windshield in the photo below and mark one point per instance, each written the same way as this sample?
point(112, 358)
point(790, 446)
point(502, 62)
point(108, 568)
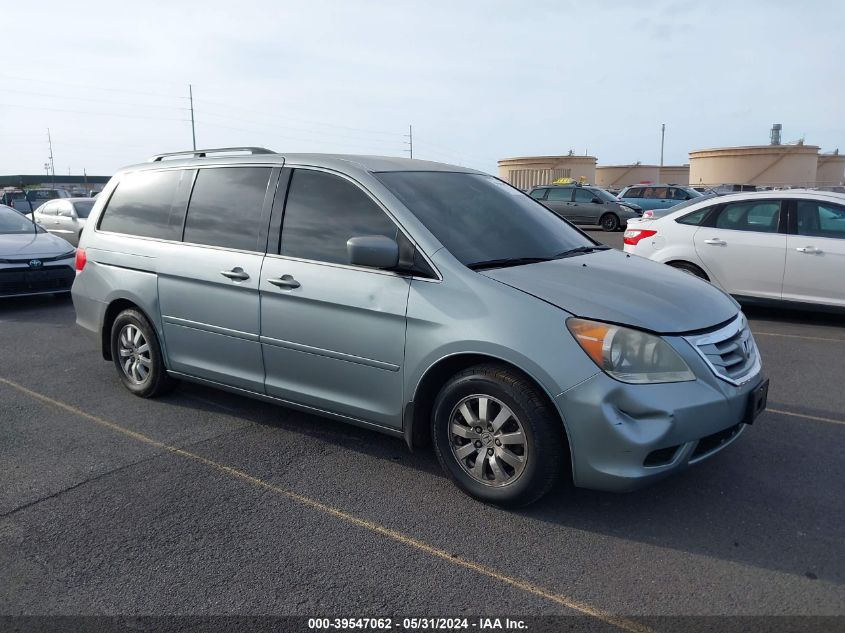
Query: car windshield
point(12, 222)
point(481, 219)
point(604, 195)
point(83, 208)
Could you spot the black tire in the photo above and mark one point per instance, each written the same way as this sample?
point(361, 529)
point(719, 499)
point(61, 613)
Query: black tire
point(610, 222)
point(545, 452)
point(692, 269)
point(155, 382)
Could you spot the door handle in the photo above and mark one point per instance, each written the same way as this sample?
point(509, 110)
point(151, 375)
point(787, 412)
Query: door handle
point(236, 274)
point(715, 242)
point(285, 281)
point(809, 250)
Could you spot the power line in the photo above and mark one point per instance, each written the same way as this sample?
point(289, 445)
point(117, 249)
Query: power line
point(276, 115)
point(76, 85)
point(60, 96)
point(131, 116)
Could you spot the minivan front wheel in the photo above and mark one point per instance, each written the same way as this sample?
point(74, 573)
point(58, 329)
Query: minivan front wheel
point(496, 436)
point(609, 222)
point(137, 355)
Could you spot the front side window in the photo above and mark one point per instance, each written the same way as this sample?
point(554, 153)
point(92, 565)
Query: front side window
point(225, 207)
point(146, 204)
point(633, 192)
point(478, 218)
point(323, 211)
point(821, 219)
point(584, 195)
point(561, 194)
point(758, 216)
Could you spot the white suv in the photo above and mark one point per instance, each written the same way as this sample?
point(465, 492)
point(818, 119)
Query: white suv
point(758, 246)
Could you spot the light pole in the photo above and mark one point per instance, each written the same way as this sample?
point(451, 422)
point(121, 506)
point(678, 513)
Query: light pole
point(662, 139)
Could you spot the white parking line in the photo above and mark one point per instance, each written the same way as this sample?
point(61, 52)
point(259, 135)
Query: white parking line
point(817, 418)
point(809, 338)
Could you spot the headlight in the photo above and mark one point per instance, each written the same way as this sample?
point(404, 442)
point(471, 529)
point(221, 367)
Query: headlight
point(629, 355)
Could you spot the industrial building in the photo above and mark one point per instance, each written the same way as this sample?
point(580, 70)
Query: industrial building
point(42, 181)
point(772, 165)
point(528, 172)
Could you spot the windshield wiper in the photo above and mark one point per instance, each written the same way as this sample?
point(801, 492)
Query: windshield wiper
point(581, 250)
point(505, 262)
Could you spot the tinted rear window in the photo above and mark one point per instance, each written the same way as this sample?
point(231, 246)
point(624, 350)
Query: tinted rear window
point(148, 204)
point(225, 208)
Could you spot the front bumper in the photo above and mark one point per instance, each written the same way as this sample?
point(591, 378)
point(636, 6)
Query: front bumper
point(624, 436)
point(21, 280)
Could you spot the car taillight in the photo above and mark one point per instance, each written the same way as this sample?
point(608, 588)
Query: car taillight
point(633, 236)
point(81, 259)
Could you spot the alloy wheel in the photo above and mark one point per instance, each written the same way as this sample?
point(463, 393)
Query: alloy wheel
point(134, 352)
point(488, 440)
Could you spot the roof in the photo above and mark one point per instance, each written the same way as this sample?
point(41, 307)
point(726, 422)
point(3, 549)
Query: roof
point(340, 162)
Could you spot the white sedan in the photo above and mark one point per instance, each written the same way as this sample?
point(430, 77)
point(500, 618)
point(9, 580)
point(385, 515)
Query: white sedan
point(757, 246)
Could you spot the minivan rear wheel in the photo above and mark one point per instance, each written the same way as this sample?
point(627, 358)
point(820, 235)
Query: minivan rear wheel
point(496, 436)
point(137, 355)
point(609, 222)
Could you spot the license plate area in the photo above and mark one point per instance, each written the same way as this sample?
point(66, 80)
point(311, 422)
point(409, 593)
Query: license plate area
point(757, 400)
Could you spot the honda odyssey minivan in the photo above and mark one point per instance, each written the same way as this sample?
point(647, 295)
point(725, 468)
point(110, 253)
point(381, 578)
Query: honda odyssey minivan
point(428, 301)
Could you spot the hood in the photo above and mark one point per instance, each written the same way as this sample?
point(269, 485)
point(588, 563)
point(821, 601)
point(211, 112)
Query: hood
point(32, 245)
point(627, 290)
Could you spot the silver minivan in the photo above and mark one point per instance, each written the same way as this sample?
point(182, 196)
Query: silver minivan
point(428, 301)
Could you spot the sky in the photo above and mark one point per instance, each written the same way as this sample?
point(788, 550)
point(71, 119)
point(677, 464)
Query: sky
point(478, 80)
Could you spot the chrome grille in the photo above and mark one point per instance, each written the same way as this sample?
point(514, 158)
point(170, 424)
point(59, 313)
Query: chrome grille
point(729, 351)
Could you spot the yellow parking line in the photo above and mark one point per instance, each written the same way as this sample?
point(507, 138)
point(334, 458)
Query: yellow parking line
point(808, 417)
point(536, 590)
point(808, 338)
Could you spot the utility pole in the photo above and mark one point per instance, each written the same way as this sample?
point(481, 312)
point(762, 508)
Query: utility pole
point(52, 163)
point(85, 177)
point(193, 129)
point(662, 139)
point(410, 141)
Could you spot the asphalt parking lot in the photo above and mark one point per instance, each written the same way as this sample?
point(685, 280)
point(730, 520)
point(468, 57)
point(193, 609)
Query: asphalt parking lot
point(204, 502)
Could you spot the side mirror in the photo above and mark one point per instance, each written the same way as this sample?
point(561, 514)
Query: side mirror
point(373, 251)
point(597, 201)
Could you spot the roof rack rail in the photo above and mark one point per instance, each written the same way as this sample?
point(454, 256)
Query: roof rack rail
point(202, 153)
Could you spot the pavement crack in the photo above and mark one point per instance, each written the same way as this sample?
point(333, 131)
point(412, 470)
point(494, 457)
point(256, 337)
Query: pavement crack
point(79, 485)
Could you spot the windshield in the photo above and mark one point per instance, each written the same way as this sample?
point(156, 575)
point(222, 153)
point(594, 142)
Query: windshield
point(604, 195)
point(12, 222)
point(83, 208)
point(479, 218)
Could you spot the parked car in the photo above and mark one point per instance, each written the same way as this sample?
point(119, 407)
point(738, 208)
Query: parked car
point(653, 214)
point(427, 301)
point(16, 199)
point(733, 188)
point(65, 217)
point(650, 197)
point(32, 261)
point(586, 205)
point(778, 246)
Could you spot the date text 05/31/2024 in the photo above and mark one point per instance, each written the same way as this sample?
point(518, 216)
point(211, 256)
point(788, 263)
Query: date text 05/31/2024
point(448, 624)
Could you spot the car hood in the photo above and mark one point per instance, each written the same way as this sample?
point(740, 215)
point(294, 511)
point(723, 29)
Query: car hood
point(628, 290)
point(32, 245)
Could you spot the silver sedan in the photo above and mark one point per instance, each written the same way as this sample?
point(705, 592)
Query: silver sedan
point(32, 261)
